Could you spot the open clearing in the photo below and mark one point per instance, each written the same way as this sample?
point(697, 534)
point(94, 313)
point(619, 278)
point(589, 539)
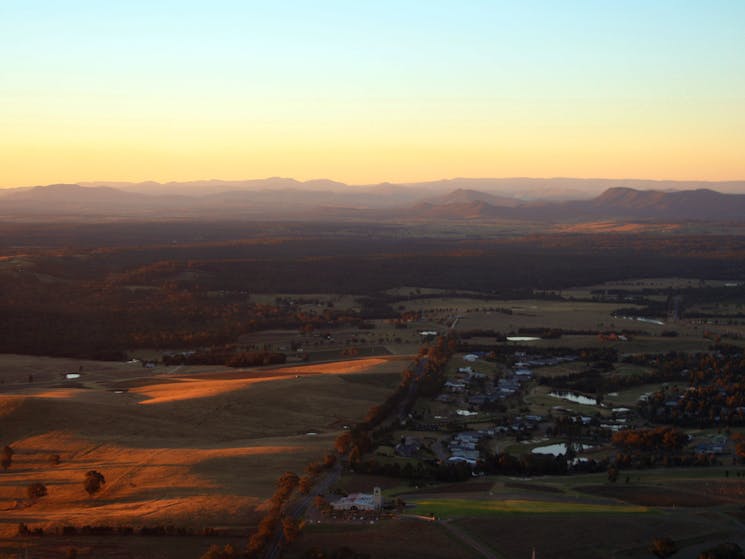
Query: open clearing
point(577, 315)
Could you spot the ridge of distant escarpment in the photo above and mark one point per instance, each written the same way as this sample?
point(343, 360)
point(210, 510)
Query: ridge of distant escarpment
point(323, 199)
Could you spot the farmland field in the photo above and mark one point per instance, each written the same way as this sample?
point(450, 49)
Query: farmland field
point(454, 508)
point(589, 536)
point(191, 448)
point(412, 539)
point(197, 446)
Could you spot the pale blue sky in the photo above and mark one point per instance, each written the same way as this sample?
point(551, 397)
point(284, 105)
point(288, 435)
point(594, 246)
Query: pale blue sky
point(468, 68)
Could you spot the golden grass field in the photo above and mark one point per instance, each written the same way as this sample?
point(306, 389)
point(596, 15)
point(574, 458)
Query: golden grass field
point(180, 446)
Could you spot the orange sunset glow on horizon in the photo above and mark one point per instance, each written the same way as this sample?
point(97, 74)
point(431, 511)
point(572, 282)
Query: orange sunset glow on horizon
point(371, 93)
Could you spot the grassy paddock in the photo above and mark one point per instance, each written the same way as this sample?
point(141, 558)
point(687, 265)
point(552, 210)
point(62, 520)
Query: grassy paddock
point(464, 507)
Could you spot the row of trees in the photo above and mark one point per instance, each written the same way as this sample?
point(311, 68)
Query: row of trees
point(260, 539)
point(354, 442)
point(667, 439)
point(275, 518)
point(425, 375)
point(229, 355)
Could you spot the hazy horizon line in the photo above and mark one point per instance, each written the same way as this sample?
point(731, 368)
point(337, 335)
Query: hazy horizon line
point(383, 182)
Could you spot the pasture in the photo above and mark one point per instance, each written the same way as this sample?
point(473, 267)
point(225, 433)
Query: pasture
point(191, 448)
point(456, 508)
point(410, 538)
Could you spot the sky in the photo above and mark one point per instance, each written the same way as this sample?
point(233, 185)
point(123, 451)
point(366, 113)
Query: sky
point(370, 91)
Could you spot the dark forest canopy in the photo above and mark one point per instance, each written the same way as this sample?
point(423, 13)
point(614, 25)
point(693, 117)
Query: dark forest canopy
point(98, 289)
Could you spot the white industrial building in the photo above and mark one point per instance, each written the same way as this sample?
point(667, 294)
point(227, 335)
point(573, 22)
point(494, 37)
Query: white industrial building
point(360, 501)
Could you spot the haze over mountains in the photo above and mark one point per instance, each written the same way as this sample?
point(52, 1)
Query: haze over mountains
point(553, 200)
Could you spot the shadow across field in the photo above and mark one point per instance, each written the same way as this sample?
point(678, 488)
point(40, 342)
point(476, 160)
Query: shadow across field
point(653, 496)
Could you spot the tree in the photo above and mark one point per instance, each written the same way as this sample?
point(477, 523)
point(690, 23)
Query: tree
point(290, 529)
point(739, 441)
point(723, 551)
point(256, 544)
point(355, 455)
point(612, 474)
point(259, 539)
point(305, 484)
point(36, 490)
point(93, 482)
point(343, 442)
point(285, 486)
point(216, 552)
point(322, 504)
point(663, 547)
point(6, 457)
point(23, 530)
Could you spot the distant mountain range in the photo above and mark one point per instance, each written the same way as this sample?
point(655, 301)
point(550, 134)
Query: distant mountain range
point(454, 199)
point(519, 187)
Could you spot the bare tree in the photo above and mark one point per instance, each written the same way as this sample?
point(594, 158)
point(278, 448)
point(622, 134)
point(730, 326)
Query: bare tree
point(663, 547)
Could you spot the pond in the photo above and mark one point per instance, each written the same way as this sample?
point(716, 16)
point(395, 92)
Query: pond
point(643, 319)
point(558, 448)
point(575, 397)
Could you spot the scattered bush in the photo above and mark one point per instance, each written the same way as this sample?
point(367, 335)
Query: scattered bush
point(93, 482)
point(6, 457)
point(36, 491)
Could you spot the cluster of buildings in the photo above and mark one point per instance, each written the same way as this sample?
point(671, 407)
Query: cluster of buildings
point(716, 445)
point(408, 447)
point(506, 386)
point(520, 424)
point(471, 392)
point(472, 385)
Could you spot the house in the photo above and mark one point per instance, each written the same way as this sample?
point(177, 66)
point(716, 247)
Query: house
point(465, 456)
point(477, 400)
point(455, 386)
point(711, 448)
point(408, 447)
